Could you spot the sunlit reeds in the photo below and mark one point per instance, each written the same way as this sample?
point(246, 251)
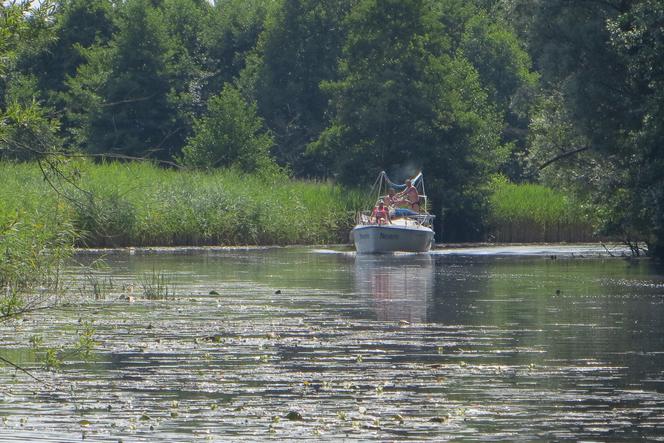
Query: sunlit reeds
point(535, 213)
point(139, 204)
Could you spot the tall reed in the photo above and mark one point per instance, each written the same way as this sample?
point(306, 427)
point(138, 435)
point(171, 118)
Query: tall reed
point(36, 237)
point(535, 213)
point(139, 204)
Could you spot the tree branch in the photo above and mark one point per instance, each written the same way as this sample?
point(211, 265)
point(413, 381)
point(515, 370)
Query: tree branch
point(15, 366)
point(563, 155)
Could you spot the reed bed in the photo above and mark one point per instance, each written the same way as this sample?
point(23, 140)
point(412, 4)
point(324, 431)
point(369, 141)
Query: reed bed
point(36, 236)
point(139, 204)
point(536, 213)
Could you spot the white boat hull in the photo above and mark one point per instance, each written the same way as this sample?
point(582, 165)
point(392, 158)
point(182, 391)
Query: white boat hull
point(381, 239)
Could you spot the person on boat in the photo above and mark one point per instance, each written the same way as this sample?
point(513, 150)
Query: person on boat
point(380, 213)
point(410, 196)
point(391, 199)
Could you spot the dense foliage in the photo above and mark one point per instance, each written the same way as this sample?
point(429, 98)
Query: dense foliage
point(342, 89)
point(529, 212)
point(123, 204)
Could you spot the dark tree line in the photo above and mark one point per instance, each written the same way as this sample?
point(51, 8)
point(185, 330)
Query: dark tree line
point(345, 88)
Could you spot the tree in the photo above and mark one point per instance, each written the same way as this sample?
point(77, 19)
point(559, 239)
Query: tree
point(229, 135)
point(186, 66)
point(601, 62)
point(406, 101)
point(121, 96)
point(77, 24)
point(637, 36)
point(27, 128)
point(505, 72)
point(231, 33)
point(298, 50)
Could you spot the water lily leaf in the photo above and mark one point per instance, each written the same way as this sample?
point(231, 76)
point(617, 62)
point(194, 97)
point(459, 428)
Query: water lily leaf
point(85, 423)
point(294, 415)
point(213, 292)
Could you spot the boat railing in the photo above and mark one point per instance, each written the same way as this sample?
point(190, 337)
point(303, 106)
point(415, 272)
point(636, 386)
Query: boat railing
point(423, 219)
point(365, 218)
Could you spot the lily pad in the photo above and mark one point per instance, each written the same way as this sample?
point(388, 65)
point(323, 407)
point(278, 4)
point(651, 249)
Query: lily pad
point(294, 415)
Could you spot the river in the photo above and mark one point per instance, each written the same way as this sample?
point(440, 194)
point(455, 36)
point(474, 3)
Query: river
point(493, 344)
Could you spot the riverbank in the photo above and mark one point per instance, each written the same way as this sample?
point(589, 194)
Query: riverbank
point(548, 250)
point(139, 204)
point(529, 213)
point(142, 205)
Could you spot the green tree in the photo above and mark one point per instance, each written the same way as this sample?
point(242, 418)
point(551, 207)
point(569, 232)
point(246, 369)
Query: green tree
point(601, 66)
point(231, 33)
point(406, 100)
point(505, 72)
point(637, 36)
point(299, 48)
point(77, 24)
point(121, 97)
point(27, 127)
point(230, 134)
point(186, 66)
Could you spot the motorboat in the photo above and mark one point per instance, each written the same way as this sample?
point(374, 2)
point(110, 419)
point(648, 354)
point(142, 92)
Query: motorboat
point(403, 230)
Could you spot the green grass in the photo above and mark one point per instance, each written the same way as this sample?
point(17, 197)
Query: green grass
point(139, 204)
point(533, 212)
point(35, 233)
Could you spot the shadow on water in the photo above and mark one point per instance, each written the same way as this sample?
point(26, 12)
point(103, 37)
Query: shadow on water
point(297, 343)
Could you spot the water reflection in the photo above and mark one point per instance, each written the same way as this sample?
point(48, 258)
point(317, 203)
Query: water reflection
point(400, 285)
point(499, 349)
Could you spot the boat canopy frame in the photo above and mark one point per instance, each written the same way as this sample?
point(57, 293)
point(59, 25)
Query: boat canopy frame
point(383, 184)
point(380, 191)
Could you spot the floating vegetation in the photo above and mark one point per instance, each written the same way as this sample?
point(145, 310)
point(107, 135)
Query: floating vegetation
point(515, 360)
point(86, 342)
point(294, 415)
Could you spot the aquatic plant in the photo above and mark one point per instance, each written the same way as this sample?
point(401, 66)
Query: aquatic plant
point(156, 285)
point(139, 204)
point(86, 342)
point(36, 238)
point(531, 212)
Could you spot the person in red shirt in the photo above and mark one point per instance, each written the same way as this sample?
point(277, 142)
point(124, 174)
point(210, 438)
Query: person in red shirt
point(380, 213)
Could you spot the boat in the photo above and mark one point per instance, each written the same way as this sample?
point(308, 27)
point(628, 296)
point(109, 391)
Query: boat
point(405, 230)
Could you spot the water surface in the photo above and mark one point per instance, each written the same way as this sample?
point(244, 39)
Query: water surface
point(543, 343)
